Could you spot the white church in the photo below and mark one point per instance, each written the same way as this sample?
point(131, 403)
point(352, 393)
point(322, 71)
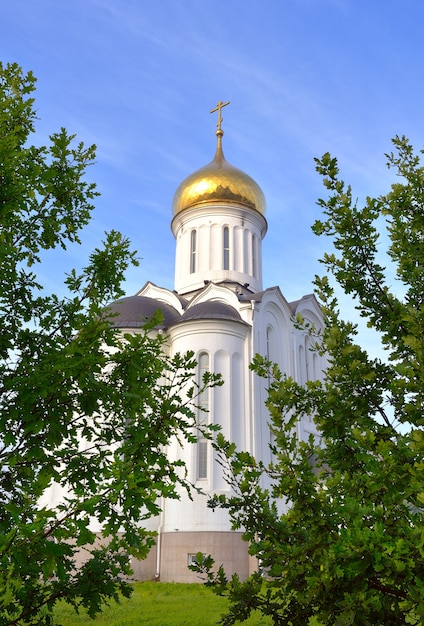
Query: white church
point(220, 310)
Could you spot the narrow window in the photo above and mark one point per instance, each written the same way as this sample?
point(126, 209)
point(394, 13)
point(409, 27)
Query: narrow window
point(202, 459)
point(315, 370)
point(302, 365)
point(202, 418)
point(193, 252)
point(226, 242)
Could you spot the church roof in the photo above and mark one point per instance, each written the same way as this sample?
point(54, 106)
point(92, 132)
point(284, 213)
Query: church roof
point(211, 309)
point(134, 311)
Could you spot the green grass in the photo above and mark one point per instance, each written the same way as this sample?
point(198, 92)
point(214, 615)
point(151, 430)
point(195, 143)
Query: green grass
point(158, 604)
point(161, 604)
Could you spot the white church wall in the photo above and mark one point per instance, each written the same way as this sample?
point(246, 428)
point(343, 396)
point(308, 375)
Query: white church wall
point(273, 333)
point(218, 258)
point(310, 365)
point(224, 341)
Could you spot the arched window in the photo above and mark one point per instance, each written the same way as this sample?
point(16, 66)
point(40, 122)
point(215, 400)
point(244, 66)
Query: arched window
point(226, 248)
point(315, 366)
point(202, 417)
point(268, 341)
point(193, 252)
point(302, 365)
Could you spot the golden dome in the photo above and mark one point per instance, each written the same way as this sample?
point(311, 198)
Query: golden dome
point(219, 181)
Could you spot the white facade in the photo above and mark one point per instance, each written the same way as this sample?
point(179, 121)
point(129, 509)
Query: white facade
point(221, 312)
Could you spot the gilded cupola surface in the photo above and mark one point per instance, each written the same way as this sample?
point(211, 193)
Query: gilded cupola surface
point(217, 182)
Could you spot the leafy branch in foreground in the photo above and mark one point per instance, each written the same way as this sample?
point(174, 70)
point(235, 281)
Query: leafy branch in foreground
point(338, 531)
point(85, 413)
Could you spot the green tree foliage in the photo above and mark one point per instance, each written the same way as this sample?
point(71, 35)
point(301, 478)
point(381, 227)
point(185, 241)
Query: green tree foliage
point(81, 406)
point(348, 547)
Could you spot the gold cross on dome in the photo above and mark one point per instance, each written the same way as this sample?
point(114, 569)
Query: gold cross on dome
point(218, 108)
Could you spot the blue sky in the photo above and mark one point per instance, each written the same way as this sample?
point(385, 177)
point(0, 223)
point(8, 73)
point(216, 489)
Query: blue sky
point(138, 78)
